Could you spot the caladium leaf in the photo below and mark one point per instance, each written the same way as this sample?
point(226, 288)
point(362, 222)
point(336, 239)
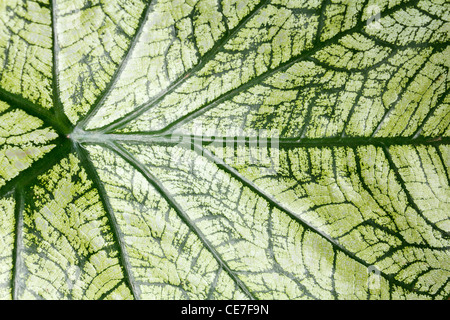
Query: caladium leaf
point(224, 149)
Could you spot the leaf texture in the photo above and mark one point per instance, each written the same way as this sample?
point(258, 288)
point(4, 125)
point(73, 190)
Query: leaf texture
point(224, 149)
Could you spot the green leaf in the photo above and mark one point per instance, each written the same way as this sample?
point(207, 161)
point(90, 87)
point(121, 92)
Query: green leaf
point(224, 149)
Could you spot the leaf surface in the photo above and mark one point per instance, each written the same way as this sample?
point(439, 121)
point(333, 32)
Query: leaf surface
point(224, 149)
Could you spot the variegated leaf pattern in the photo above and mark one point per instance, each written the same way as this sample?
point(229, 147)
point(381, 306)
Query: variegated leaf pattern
point(224, 149)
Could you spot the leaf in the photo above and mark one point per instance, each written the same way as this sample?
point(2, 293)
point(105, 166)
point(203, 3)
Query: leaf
point(224, 149)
